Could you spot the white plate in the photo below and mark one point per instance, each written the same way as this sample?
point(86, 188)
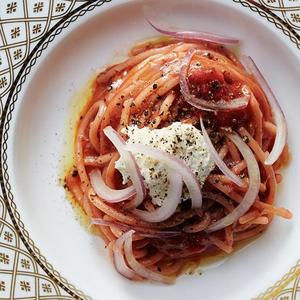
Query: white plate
point(39, 131)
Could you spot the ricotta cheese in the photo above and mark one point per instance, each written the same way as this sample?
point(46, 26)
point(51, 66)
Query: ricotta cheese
point(181, 140)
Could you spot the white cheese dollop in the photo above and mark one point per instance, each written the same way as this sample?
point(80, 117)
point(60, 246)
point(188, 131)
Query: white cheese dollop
point(181, 140)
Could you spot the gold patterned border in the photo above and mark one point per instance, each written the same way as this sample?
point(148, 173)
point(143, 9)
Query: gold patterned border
point(26, 29)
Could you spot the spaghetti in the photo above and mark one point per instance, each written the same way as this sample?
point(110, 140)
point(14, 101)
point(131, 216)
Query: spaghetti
point(197, 83)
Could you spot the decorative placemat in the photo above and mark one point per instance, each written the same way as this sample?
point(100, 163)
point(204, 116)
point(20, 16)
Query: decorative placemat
point(24, 272)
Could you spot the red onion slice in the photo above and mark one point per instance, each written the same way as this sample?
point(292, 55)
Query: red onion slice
point(177, 165)
point(170, 203)
point(219, 162)
point(234, 104)
point(119, 260)
point(278, 115)
point(131, 165)
point(105, 192)
point(252, 192)
point(151, 15)
point(139, 268)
